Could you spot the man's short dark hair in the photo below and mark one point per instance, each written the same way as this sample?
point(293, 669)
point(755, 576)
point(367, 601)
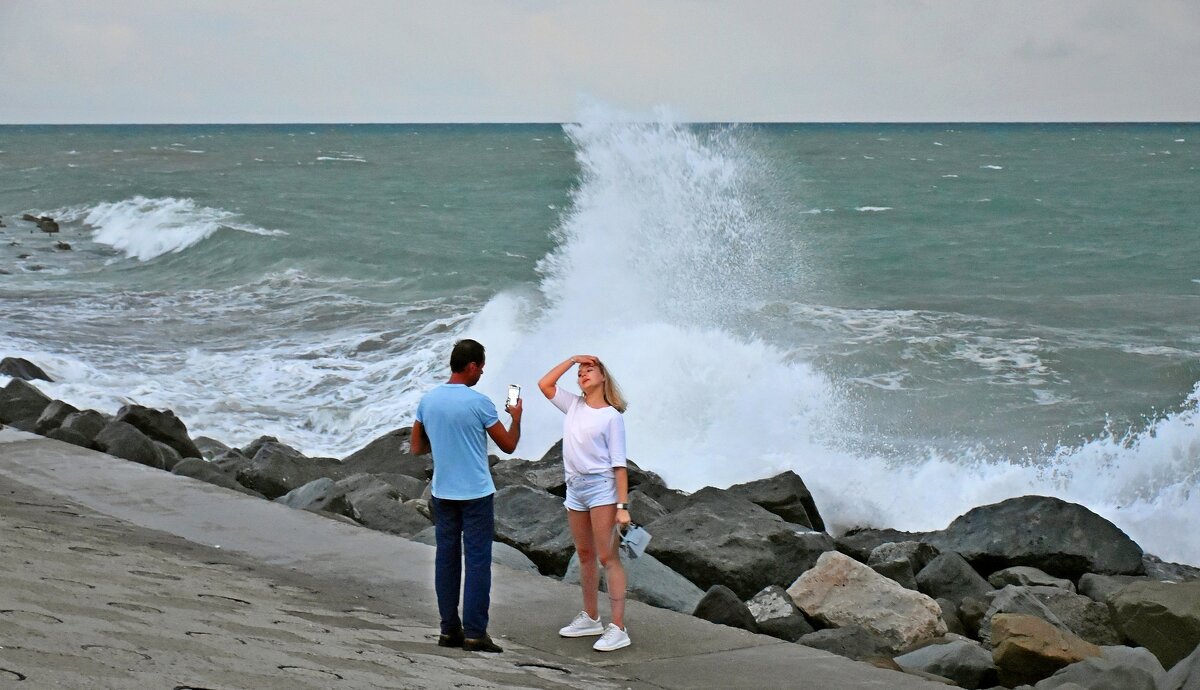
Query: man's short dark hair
point(465, 352)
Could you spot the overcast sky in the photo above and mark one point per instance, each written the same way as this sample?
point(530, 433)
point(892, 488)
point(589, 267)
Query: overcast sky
point(99, 61)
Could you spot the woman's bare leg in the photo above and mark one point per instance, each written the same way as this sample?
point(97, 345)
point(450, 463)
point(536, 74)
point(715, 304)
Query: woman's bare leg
point(589, 573)
point(605, 538)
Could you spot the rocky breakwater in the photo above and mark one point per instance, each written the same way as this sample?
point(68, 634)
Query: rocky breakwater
point(1029, 592)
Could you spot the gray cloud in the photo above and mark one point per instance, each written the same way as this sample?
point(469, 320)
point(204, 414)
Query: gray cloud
point(529, 60)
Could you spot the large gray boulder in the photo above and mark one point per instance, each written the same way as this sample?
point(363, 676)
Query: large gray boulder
point(859, 542)
point(1160, 616)
point(671, 499)
point(777, 615)
point(23, 369)
point(785, 495)
point(839, 591)
point(648, 581)
point(502, 554)
point(1184, 675)
point(1025, 576)
point(169, 456)
point(965, 662)
point(1063, 539)
point(949, 576)
point(389, 453)
point(1100, 587)
point(21, 402)
point(1088, 619)
point(643, 509)
point(534, 523)
point(205, 472)
point(209, 447)
point(322, 494)
point(545, 476)
point(725, 539)
point(52, 416)
point(277, 468)
point(68, 436)
point(852, 641)
point(377, 505)
point(1117, 668)
point(721, 606)
point(87, 424)
point(125, 441)
point(1164, 571)
point(160, 425)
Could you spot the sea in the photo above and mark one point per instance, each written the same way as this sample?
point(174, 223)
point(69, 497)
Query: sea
point(916, 318)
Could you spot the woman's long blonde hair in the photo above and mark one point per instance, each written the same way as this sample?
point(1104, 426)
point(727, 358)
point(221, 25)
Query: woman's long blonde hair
point(612, 392)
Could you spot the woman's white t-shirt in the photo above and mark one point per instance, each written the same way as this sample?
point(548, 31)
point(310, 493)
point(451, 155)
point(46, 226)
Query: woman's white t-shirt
point(593, 439)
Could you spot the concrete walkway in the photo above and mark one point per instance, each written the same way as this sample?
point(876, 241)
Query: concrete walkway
point(121, 576)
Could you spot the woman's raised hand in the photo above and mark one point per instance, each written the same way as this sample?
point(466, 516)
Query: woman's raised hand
point(586, 359)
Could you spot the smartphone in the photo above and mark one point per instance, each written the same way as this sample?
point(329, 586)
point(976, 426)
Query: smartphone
point(514, 394)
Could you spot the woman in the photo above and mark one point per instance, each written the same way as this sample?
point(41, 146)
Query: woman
point(597, 491)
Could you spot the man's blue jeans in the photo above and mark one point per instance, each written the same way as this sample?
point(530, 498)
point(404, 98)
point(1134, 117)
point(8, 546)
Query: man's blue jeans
point(464, 527)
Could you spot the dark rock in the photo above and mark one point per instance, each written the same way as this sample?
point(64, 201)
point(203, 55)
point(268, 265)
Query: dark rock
point(643, 509)
point(725, 539)
point(169, 456)
point(278, 468)
point(777, 615)
point(1158, 569)
point(1100, 587)
point(916, 553)
point(1088, 619)
point(21, 401)
point(47, 225)
point(965, 662)
point(231, 462)
point(898, 571)
point(1160, 616)
point(29, 217)
point(205, 472)
point(87, 424)
point(52, 417)
point(19, 368)
point(950, 615)
point(949, 576)
point(671, 499)
point(853, 642)
point(785, 495)
point(545, 476)
point(160, 425)
point(1118, 668)
point(1184, 675)
point(209, 447)
point(502, 554)
point(534, 523)
point(389, 454)
point(859, 542)
point(123, 440)
point(379, 511)
point(62, 246)
point(1024, 576)
point(68, 436)
point(721, 606)
point(648, 581)
point(971, 611)
point(1063, 539)
point(317, 495)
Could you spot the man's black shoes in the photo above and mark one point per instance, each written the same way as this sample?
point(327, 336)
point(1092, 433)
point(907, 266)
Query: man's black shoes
point(481, 644)
point(451, 640)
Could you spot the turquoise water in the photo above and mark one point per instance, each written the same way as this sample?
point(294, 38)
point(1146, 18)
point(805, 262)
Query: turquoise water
point(916, 318)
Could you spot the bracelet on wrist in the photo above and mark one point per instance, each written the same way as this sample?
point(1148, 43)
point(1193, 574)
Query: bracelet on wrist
point(622, 506)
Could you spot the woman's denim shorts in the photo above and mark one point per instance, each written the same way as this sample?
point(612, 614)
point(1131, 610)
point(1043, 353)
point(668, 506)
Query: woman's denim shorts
point(587, 491)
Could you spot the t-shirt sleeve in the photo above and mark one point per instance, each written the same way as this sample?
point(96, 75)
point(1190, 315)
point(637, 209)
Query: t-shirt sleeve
point(421, 411)
point(563, 400)
point(615, 436)
point(485, 411)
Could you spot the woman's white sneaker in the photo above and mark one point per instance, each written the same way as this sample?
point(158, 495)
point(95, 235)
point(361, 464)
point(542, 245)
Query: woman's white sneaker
point(613, 639)
point(583, 626)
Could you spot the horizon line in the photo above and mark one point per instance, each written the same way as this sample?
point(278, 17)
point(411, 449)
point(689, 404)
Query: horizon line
point(647, 121)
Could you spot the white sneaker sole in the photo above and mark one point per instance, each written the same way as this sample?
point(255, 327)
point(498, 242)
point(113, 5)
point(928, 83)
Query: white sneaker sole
point(622, 645)
point(583, 633)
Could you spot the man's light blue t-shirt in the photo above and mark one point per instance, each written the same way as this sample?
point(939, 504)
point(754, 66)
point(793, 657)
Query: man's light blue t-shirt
point(456, 419)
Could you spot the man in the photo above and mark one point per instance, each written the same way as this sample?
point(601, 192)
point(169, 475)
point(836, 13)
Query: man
point(451, 422)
